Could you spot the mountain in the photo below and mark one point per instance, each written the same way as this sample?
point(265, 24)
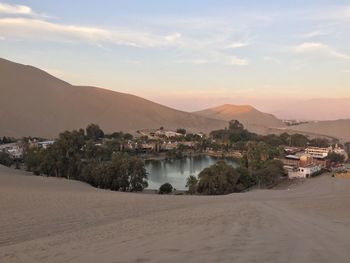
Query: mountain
point(250, 117)
point(339, 128)
point(35, 103)
point(310, 109)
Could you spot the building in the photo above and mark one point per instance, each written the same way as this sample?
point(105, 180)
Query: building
point(304, 166)
point(45, 144)
point(305, 172)
point(317, 152)
point(13, 149)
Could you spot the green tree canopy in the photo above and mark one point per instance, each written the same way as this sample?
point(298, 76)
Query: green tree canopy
point(192, 184)
point(218, 179)
point(94, 132)
point(165, 188)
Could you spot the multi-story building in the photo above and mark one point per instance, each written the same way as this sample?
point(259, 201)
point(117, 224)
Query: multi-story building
point(317, 152)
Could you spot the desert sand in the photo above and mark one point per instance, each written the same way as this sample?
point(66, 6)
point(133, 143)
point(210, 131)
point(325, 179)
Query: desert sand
point(35, 103)
point(252, 119)
point(56, 220)
point(339, 128)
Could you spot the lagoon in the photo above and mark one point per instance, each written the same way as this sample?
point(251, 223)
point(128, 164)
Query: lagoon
point(176, 171)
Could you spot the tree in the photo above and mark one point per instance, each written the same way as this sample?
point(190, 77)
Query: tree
point(192, 184)
point(94, 132)
point(166, 188)
point(181, 130)
point(269, 174)
point(335, 157)
point(74, 157)
point(273, 140)
point(235, 133)
point(257, 153)
point(5, 159)
point(319, 142)
point(217, 179)
point(299, 140)
point(5, 140)
point(245, 179)
point(347, 148)
point(137, 175)
point(235, 125)
point(33, 159)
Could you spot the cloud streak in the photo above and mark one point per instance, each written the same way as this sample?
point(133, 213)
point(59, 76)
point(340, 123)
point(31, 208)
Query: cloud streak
point(237, 45)
point(15, 9)
point(43, 30)
point(314, 47)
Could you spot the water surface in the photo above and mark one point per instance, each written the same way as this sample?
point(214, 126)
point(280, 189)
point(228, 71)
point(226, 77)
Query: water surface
point(176, 171)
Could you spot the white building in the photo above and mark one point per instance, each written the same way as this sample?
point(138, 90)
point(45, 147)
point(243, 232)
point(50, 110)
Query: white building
point(317, 152)
point(304, 172)
point(13, 149)
point(45, 144)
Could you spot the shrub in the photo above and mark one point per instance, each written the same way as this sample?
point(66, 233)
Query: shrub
point(5, 159)
point(165, 189)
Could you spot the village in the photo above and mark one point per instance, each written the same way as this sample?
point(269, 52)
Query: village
point(160, 144)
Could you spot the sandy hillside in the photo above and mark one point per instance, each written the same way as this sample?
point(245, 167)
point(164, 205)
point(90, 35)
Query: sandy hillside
point(311, 109)
point(338, 129)
point(55, 220)
point(252, 119)
point(34, 103)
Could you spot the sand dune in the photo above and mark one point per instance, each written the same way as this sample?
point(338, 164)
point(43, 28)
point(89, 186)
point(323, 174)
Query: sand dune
point(252, 119)
point(55, 220)
point(338, 129)
point(34, 103)
point(311, 109)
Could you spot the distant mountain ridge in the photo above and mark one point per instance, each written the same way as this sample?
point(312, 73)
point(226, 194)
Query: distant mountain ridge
point(35, 103)
point(338, 128)
point(251, 118)
point(311, 109)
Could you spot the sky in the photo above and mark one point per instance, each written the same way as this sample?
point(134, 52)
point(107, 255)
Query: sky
point(188, 54)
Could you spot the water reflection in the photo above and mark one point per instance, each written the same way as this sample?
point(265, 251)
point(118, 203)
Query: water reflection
point(177, 171)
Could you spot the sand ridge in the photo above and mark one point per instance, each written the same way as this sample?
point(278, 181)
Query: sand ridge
point(56, 220)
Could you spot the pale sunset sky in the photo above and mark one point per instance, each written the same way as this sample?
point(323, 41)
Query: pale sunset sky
point(186, 54)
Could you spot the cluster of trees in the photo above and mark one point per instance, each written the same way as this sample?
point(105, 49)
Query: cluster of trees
point(75, 155)
point(236, 135)
point(5, 140)
point(219, 178)
point(258, 166)
point(222, 178)
point(122, 173)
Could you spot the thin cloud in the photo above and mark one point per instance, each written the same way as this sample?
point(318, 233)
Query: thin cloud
point(271, 59)
point(313, 47)
point(173, 37)
point(313, 34)
point(15, 9)
point(237, 45)
point(192, 61)
point(41, 29)
point(216, 58)
point(310, 47)
point(238, 61)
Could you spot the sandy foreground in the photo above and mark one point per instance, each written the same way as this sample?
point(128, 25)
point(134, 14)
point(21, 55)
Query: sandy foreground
point(56, 220)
